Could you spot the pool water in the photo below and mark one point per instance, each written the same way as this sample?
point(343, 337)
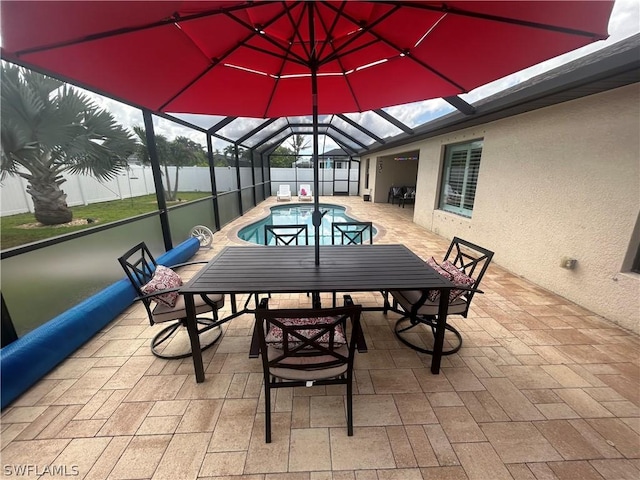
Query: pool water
point(298, 215)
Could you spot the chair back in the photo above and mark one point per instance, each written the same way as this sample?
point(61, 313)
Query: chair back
point(303, 347)
point(351, 233)
point(139, 265)
point(471, 259)
point(286, 234)
point(284, 189)
point(298, 343)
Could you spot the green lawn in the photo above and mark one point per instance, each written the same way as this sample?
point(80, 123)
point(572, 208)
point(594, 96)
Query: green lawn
point(14, 231)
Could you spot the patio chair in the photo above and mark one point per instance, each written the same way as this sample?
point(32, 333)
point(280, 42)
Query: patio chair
point(286, 234)
point(284, 192)
point(351, 233)
point(306, 347)
point(305, 192)
point(158, 288)
point(464, 264)
point(409, 196)
point(395, 193)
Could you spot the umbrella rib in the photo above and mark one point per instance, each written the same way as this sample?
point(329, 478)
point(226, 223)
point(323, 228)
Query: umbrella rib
point(214, 63)
point(122, 31)
point(363, 31)
point(277, 80)
point(348, 82)
point(330, 30)
point(266, 37)
point(369, 29)
point(296, 28)
point(335, 55)
point(497, 18)
point(284, 56)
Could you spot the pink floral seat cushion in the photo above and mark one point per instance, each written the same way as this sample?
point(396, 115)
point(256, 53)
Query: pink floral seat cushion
point(163, 279)
point(452, 273)
point(275, 334)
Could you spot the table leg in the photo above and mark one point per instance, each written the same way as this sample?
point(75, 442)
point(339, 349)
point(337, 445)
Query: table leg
point(315, 300)
point(192, 329)
point(438, 340)
point(254, 348)
point(234, 308)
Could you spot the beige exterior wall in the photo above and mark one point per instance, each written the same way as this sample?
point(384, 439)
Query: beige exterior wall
point(555, 182)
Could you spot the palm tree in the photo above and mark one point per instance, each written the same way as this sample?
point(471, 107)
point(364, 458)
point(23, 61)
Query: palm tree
point(49, 128)
point(180, 152)
point(185, 152)
point(162, 150)
point(297, 144)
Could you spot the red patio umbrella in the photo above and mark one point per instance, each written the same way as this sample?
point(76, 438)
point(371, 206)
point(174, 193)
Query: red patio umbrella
point(270, 59)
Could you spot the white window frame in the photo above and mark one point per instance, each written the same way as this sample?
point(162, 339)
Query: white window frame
point(460, 171)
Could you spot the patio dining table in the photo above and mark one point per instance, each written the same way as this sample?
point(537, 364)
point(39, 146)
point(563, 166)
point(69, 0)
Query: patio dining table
point(292, 269)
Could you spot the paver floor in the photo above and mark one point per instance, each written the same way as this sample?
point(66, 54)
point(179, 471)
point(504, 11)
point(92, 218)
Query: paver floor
point(542, 389)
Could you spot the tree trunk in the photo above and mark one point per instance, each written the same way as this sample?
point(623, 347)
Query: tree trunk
point(169, 196)
point(175, 184)
point(49, 201)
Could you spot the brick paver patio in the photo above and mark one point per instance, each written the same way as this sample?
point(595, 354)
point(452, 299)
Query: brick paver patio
point(542, 389)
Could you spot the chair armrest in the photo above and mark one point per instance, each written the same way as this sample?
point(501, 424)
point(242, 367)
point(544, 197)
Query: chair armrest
point(468, 289)
point(155, 294)
point(186, 264)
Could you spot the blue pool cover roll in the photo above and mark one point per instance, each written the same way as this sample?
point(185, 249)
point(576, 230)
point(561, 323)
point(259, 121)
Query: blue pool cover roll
point(28, 359)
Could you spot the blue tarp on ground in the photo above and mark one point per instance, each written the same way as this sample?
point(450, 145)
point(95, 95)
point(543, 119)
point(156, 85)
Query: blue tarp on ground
point(28, 359)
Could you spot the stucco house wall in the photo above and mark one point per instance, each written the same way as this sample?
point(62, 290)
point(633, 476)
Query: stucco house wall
point(561, 181)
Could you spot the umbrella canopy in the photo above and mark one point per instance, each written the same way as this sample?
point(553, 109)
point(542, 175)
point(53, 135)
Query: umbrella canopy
point(254, 59)
point(269, 59)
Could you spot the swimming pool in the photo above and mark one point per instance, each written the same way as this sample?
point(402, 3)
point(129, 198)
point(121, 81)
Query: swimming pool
point(298, 215)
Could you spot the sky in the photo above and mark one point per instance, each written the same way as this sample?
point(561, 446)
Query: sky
point(624, 22)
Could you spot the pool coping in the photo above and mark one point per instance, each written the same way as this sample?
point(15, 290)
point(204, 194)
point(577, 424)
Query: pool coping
point(263, 212)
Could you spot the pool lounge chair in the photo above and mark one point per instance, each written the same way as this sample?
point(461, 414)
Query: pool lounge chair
point(305, 192)
point(284, 192)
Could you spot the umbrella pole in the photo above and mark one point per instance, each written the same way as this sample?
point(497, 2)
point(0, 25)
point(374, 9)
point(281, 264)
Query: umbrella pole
point(317, 216)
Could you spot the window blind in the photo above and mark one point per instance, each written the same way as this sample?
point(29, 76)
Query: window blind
point(460, 177)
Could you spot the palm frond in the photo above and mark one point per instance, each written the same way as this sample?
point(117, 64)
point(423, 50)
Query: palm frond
point(51, 127)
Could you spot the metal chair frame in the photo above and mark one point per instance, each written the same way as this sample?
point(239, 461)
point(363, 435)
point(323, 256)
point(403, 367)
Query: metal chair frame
point(473, 261)
point(308, 347)
point(351, 233)
point(286, 234)
point(395, 193)
point(140, 271)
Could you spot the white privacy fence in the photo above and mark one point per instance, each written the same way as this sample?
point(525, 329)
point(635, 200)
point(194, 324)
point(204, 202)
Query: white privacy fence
point(332, 181)
point(138, 181)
